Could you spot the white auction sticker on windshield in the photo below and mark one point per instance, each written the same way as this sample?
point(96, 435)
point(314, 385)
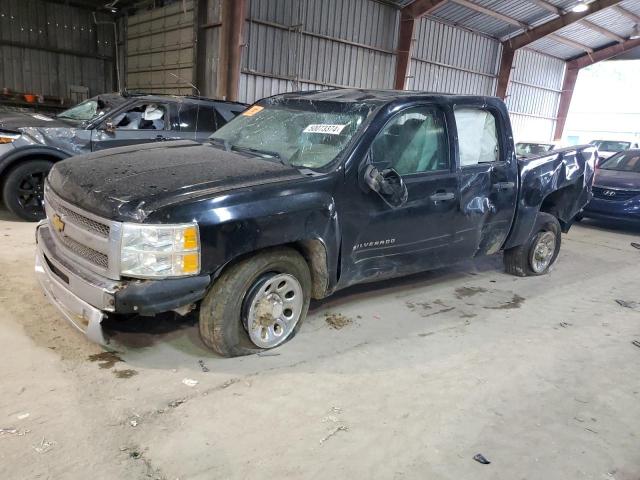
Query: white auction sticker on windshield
point(41, 117)
point(324, 128)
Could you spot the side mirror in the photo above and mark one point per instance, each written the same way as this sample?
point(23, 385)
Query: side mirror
point(109, 127)
point(388, 184)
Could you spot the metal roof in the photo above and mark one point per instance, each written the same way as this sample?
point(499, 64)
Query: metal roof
point(563, 44)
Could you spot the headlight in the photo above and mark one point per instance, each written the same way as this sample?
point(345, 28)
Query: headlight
point(151, 251)
point(6, 137)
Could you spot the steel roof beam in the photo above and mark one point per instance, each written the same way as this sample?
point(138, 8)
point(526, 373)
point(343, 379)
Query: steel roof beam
point(556, 24)
point(491, 13)
point(571, 43)
point(548, 6)
point(602, 30)
point(420, 8)
point(628, 14)
point(603, 54)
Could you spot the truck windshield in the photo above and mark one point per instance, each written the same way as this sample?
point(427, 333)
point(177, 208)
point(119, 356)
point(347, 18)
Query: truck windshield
point(303, 134)
point(532, 148)
point(624, 162)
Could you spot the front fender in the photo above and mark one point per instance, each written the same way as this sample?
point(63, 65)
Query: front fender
point(20, 153)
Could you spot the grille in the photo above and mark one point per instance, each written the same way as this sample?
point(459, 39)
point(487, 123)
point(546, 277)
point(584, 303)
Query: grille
point(80, 220)
point(619, 195)
point(93, 256)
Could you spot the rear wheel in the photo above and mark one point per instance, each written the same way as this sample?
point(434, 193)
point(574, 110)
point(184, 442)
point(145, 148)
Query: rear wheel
point(23, 189)
point(258, 303)
point(536, 256)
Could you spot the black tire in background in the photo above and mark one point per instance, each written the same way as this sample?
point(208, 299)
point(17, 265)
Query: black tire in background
point(23, 189)
point(223, 308)
point(518, 260)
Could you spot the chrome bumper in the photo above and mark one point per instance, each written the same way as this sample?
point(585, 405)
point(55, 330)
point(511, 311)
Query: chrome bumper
point(81, 296)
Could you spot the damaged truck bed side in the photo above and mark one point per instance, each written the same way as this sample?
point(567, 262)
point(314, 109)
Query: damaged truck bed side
point(301, 195)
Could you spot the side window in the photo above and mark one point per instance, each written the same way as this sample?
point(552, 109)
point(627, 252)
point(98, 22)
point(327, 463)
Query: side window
point(207, 119)
point(477, 136)
point(150, 116)
point(414, 141)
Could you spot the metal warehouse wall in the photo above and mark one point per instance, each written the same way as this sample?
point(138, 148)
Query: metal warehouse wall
point(160, 49)
point(447, 59)
point(533, 95)
point(311, 44)
point(45, 48)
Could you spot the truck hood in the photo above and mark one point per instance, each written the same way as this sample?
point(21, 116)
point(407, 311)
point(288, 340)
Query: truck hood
point(129, 183)
point(18, 120)
point(617, 179)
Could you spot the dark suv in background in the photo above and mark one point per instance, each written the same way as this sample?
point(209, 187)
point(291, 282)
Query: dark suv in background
point(30, 143)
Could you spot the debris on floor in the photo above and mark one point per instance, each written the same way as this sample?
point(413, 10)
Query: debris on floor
point(189, 382)
point(635, 245)
point(13, 431)
point(44, 446)
point(337, 321)
point(636, 343)
point(176, 403)
point(628, 304)
point(339, 428)
point(203, 367)
point(126, 373)
point(22, 416)
point(105, 359)
point(478, 457)
point(564, 324)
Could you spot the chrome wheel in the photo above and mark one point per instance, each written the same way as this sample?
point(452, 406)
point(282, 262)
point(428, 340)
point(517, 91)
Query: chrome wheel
point(543, 251)
point(274, 308)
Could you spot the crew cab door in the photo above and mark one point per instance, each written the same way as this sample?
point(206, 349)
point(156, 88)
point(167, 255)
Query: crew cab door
point(383, 241)
point(488, 175)
point(141, 122)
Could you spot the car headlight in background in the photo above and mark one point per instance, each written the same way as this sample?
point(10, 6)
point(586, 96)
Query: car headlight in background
point(6, 137)
point(159, 251)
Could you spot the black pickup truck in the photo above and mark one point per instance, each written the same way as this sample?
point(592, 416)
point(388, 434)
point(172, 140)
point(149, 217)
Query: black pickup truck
point(299, 196)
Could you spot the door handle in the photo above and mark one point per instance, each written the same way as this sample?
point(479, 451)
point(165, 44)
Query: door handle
point(503, 186)
point(442, 195)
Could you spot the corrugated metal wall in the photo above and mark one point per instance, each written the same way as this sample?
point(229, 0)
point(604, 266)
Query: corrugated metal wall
point(447, 59)
point(533, 95)
point(45, 48)
point(160, 51)
point(311, 44)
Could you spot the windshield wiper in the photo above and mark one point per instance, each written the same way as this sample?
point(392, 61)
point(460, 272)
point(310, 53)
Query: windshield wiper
point(257, 151)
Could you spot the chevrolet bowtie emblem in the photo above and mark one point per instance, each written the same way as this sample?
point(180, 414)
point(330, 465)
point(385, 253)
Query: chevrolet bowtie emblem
point(57, 223)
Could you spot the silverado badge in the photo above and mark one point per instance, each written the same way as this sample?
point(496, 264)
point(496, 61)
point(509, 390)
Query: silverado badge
point(57, 223)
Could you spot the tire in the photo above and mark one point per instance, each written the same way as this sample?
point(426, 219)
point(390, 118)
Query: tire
point(23, 189)
point(523, 260)
point(226, 309)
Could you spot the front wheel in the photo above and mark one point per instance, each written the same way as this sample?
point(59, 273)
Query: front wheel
point(23, 189)
point(536, 256)
point(258, 303)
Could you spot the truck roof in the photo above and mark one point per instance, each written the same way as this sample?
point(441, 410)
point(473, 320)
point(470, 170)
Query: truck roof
point(375, 97)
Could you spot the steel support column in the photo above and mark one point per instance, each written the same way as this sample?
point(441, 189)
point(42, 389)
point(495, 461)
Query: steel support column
point(570, 77)
point(231, 42)
point(405, 37)
point(408, 17)
point(506, 64)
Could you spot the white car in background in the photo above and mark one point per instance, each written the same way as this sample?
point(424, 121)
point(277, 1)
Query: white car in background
point(607, 148)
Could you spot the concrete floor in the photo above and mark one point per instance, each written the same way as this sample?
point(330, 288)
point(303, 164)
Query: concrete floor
point(537, 374)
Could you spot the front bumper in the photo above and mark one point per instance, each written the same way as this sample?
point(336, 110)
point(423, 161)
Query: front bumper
point(627, 211)
point(86, 298)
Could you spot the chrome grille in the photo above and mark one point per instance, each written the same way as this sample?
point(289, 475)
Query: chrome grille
point(613, 194)
point(83, 237)
point(81, 220)
point(95, 257)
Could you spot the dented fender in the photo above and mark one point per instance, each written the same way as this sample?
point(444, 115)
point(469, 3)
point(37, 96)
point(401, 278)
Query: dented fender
point(558, 183)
